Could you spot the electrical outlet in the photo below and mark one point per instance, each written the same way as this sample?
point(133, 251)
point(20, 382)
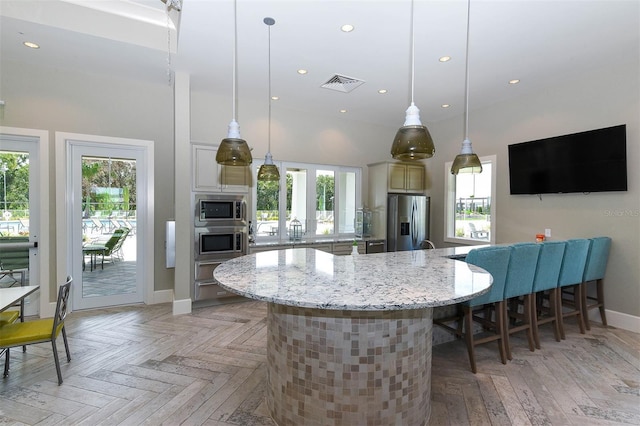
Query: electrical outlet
point(547, 233)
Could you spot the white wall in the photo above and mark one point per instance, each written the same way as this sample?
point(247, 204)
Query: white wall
point(602, 98)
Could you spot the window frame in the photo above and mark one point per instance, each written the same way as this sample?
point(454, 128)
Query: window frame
point(450, 205)
point(310, 228)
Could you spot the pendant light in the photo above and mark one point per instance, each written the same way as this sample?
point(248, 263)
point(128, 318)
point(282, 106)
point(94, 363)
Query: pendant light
point(467, 161)
point(233, 150)
point(268, 171)
point(412, 141)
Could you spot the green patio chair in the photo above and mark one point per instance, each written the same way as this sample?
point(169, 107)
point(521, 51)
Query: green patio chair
point(112, 248)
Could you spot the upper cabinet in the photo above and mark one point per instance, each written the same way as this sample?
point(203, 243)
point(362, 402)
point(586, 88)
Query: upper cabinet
point(400, 177)
point(405, 177)
point(209, 176)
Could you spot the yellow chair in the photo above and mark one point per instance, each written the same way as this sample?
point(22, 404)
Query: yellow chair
point(8, 317)
point(39, 331)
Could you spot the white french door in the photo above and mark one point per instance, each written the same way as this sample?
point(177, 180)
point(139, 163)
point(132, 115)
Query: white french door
point(20, 212)
point(108, 183)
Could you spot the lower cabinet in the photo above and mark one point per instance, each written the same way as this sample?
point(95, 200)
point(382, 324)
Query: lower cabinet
point(210, 290)
point(342, 248)
point(322, 247)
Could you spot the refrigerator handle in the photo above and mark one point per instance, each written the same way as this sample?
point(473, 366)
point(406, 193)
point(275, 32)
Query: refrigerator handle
point(413, 224)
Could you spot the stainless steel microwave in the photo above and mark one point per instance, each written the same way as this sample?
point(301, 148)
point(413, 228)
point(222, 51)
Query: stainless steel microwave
point(221, 242)
point(220, 209)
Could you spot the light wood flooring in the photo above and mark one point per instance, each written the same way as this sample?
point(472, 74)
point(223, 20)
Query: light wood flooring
point(142, 365)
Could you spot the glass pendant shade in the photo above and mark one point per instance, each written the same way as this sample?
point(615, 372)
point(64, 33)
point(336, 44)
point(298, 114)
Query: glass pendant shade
point(233, 150)
point(268, 171)
point(467, 161)
point(412, 141)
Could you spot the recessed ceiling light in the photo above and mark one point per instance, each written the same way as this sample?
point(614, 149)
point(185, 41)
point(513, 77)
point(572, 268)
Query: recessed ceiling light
point(302, 72)
point(445, 105)
point(347, 28)
point(445, 59)
point(31, 45)
point(275, 98)
point(514, 81)
point(343, 111)
point(382, 91)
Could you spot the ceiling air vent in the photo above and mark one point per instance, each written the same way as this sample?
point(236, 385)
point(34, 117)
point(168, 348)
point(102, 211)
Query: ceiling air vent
point(342, 83)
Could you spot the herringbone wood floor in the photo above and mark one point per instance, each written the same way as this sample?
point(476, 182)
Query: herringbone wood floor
point(142, 365)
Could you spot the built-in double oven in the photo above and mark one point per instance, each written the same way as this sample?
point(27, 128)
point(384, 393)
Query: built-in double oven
point(220, 234)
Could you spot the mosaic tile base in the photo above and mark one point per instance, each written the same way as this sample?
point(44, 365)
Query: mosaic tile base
point(348, 367)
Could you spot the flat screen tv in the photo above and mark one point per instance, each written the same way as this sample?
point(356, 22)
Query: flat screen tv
point(591, 161)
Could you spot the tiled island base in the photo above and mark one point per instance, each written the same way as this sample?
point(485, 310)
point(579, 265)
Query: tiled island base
point(328, 367)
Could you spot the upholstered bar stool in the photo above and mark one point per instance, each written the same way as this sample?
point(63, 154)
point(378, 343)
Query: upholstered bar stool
point(519, 283)
point(546, 279)
point(495, 260)
point(594, 272)
point(571, 275)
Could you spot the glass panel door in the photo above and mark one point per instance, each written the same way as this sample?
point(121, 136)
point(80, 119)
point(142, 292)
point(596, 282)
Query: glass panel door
point(109, 226)
point(296, 221)
point(347, 195)
point(325, 190)
point(18, 175)
point(106, 244)
point(267, 209)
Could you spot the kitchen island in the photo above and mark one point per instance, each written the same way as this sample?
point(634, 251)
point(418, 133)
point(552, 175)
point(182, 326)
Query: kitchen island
point(349, 337)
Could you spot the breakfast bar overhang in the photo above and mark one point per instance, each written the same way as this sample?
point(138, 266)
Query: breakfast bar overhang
point(349, 337)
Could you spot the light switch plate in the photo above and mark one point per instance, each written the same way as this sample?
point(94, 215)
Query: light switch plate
point(547, 233)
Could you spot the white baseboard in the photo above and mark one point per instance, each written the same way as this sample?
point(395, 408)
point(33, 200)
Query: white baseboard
point(617, 319)
point(181, 306)
point(162, 296)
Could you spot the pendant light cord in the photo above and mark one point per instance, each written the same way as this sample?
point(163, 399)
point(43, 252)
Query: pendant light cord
point(413, 59)
point(466, 77)
point(235, 58)
point(270, 99)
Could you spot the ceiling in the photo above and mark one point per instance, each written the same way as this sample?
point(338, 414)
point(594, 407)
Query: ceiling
point(542, 43)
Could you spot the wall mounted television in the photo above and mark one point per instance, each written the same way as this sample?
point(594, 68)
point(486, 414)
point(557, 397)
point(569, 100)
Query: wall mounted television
point(591, 161)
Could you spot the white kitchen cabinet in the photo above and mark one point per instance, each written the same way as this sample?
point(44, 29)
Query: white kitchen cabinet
point(209, 176)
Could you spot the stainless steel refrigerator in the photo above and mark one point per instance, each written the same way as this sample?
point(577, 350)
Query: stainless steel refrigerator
point(407, 221)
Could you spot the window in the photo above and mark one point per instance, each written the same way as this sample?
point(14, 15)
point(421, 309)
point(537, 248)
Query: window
point(469, 204)
point(323, 198)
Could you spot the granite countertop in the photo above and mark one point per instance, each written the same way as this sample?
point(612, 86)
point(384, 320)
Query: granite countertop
point(306, 277)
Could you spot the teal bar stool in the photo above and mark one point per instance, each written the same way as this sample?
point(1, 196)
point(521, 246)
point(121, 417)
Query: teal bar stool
point(546, 280)
point(594, 272)
point(519, 283)
point(571, 276)
point(494, 260)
